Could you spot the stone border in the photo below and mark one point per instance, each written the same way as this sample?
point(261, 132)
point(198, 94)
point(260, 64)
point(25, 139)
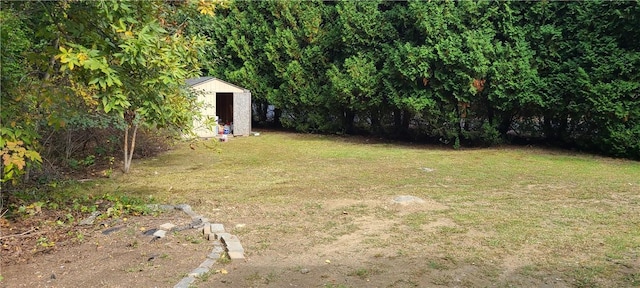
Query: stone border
point(222, 242)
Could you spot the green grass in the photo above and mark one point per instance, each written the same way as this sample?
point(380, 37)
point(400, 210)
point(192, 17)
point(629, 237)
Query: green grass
point(560, 213)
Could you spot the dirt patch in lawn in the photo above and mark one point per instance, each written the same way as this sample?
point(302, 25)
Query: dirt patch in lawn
point(110, 254)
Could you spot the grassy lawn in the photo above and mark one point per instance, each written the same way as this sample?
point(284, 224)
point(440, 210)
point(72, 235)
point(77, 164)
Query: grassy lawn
point(500, 216)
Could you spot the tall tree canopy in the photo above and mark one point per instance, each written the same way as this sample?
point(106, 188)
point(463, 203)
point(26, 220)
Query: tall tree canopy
point(473, 72)
point(124, 60)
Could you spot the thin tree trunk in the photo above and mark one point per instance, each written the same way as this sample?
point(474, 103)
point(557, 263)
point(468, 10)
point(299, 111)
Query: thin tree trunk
point(125, 169)
point(128, 152)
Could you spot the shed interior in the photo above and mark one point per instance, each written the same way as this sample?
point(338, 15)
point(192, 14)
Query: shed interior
point(224, 107)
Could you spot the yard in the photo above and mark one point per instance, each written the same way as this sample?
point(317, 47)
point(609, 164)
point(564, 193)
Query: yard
point(318, 211)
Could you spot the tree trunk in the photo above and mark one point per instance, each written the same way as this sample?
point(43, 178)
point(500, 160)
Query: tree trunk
point(376, 127)
point(277, 113)
point(128, 151)
point(349, 117)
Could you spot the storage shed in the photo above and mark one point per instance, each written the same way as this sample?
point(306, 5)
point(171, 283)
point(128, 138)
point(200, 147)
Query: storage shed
point(225, 102)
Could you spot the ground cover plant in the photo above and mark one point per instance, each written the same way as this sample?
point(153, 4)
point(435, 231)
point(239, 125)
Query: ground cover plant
point(317, 211)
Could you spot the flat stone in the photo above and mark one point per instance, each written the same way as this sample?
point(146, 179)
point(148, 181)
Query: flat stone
point(91, 219)
point(210, 237)
point(167, 226)
point(206, 229)
point(207, 263)
point(217, 228)
point(150, 232)
point(160, 233)
point(111, 230)
point(236, 255)
point(228, 238)
point(406, 200)
point(235, 247)
point(217, 249)
point(198, 272)
point(187, 209)
point(214, 255)
point(185, 282)
point(219, 236)
point(200, 219)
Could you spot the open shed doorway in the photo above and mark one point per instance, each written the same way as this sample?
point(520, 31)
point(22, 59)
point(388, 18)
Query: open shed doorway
point(224, 107)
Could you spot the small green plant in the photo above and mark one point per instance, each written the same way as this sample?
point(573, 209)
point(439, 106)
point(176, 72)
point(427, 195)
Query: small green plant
point(363, 273)
point(45, 243)
point(77, 164)
point(31, 209)
point(435, 265)
point(456, 143)
point(193, 239)
point(224, 259)
point(77, 236)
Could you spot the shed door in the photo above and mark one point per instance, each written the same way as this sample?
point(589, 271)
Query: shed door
point(224, 107)
point(242, 113)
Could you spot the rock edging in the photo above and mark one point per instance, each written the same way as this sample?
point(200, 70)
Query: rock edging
point(214, 232)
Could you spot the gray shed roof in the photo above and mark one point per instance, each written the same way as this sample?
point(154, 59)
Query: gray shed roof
point(196, 81)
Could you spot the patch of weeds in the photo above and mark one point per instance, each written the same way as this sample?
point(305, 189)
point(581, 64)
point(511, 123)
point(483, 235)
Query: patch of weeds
point(436, 266)
point(633, 279)
point(416, 220)
point(45, 243)
point(363, 273)
point(528, 270)
point(262, 245)
point(376, 242)
point(494, 242)
point(224, 259)
point(586, 276)
point(193, 239)
point(205, 276)
point(78, 236)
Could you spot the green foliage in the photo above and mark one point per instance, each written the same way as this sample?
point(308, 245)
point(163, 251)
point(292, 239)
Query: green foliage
point(457, 72)
point(90, 64)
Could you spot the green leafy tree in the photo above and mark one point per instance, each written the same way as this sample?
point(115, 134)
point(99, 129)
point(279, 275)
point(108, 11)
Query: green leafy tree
point(62, 60)
point(133, 60)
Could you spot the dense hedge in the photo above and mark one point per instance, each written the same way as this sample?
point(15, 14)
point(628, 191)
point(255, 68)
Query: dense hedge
point(477, 73)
